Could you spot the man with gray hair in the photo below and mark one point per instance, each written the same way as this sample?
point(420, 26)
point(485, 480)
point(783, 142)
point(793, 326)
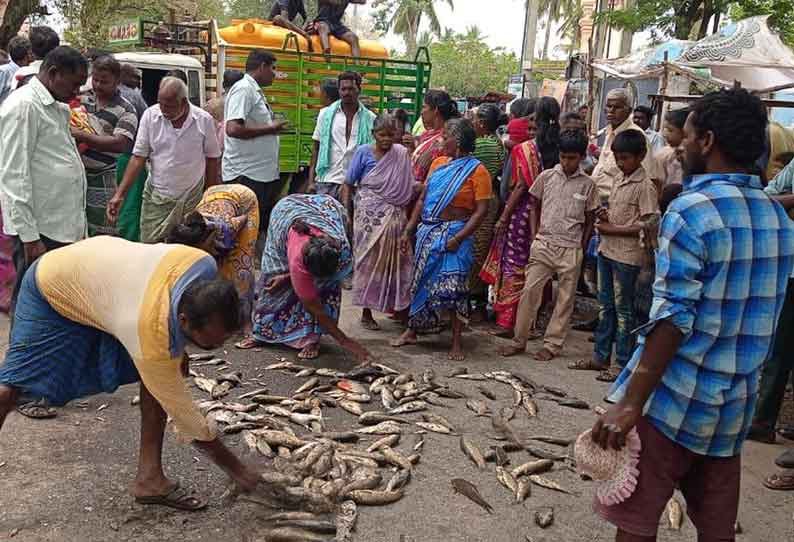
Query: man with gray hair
point(619, 116)
point(180, 142)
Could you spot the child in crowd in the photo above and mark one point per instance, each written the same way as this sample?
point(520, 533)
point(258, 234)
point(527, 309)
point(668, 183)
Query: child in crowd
point(633, 201)
point(564, 205)
point(666, 160)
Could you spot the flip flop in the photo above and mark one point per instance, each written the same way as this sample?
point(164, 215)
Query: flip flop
point(177, 498)
point(248, 343)
point(370, 325)
point(786, 431)
point(37, 410)
point(780, 482)
point(540, 356)
point(587, 365)
point(610, 374)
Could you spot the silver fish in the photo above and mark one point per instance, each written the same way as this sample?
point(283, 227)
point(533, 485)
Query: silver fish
point(237, 427)
point(538, 466)
point(469, 490)
point(383, 428)
point(346, 515)
point(264, 399)
point(435, 428)
point(304, 419)
point(331, 373)
point(205, 384)
point(472, 452)
point(308, 371)
point(201, 356)
point(388, 399)
point(549, 484)
point(375, 498)
point(378, 384)
point(458, 371)
point(403, 379)
point(276, 410)
point(420, 443)
point(221, 390)
point(523, 489)
point(388, 440)
point(358, 397)
point(235, 378)
point(429, 376)
point(385, 368)
point(412, 406)
point(398, 480)
point(279, 366)
point(478, 407)
point(395, 458)
point(472, 376)
point(430, 417)
point(351, 407)
point(309, 384)
point(372, 417)
point(223, 416)
point(506, 479)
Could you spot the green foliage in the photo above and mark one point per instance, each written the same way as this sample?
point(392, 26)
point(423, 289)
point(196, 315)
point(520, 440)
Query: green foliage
point(781, 15)
point(465, 66)
point(666, 18)
point(404, 17)
point(260, 9)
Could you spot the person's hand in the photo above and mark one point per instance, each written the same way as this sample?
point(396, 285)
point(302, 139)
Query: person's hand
point(77, 134)
point(610, 430)
point(278, 125)
point(33, 250)
point(453, 244)
point(602, 214)
point(408, 141)
point(355, 348)
point(500, 225)
point(276, 283)
point(405, 243)
point(604, 228)
point(113, 209)
point(311, 187)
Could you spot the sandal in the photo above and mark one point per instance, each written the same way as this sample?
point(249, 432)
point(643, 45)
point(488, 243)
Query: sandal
point(176, 498)
point(544, 354)
point(37, 410)
point(780, 482)
point(786, 431)
point(786, 460)
point(248, 343)
point(609, 374)
point(587, 365)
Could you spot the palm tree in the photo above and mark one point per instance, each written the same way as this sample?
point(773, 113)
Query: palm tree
point(554, 10)
point(408, 16)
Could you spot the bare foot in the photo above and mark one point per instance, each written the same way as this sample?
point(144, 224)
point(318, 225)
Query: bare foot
point(309, 352)
point(456, 353)
point(408, 337)
point(512, 350)
point(544, 354)
point(502, 332)
point(368, 322)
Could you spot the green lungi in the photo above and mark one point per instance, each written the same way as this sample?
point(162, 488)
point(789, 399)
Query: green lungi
point(129, 222)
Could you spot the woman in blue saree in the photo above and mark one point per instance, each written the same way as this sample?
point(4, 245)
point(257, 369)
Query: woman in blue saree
point(298, 294)
point(452, 205)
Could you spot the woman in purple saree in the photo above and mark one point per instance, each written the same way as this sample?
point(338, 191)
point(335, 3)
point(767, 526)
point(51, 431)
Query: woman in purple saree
point(384, 186)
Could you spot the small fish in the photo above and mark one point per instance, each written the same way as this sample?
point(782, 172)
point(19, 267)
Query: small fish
point(533, 467)
point(210, 363)
point(276, 410)
point(399, 480)
point(529, 405)
point(403, 379)
point(386, 369)
point(237, 427)
point(339, 436)
point(435, 428)
point(235, 378)
point(240, 407)
point(388, 440)
point(506, 479)
point(358, 397)
point(503, 428)
point(486, 392)
point(501, 456)
point(507, 413)
point(437, 418)
point(540, 453)
point(292, 515)
point(378, 384)
point(574, 403)
point(469, 490)
point(523, 489)
point(429, 376)
point(383, 428)
point(250, 439)
point(201, 356)
point(557, 392)
point(351, 407)
point(478, 407)
point(351, 386)
point(304, 373)
point(346, 516)
point(388, 399)
point(544, 517)
point(432, 398)
point(263, 399)
point(564, 442)
point(517, 396)
point(223, 416)
point(264, 448)
point(457, 372)
point(280, 438)
point(472, 376)
point(412, 406)
point(370, 497)
point(675, 514)
point(330, 373)
point(472, 452)
point(549, 484)
point(309, 384)
point(205, 384)
point(395, 458)
point(449, 393)
point(280, 366)
point(314, 525)
point(420, 443)
point(373, 417)
point(221, 390)
point(303, 419)
point(294, 534)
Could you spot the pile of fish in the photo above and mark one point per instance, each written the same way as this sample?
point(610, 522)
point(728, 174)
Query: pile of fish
point(323, 472)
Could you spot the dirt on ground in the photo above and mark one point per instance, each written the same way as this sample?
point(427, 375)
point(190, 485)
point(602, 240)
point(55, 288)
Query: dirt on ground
point(67, 479)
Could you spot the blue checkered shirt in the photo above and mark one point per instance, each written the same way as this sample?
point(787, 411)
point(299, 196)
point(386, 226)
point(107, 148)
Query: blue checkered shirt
point(725, 254)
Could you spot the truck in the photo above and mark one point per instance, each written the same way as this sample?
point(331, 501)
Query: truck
point(200, 46)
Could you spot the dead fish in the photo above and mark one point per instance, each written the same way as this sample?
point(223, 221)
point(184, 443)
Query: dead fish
point(411, 406)
point(377, 385)
point(304, 419)
point(432, 398)
point(263, 399)
point(374, 416)
point(339, 436)
point(264, 448)
point(574, 403)
point(557, 392)
point(552, 440)
point(235, 378)
point(435, 428)
point(506, 479)
point(280, 438)
point(201, 356)
point(478, 407)
point(237, 427)
point(294, 534)
point(395, 458)
point(205, 384)
point(420, 443)
point(549, 484)
point(346, 516)
point(388, 440)
point(383, 428)
point(351, 386)
point(399, 480)
point(533, 467)
point(330, 373)
point(472, 376)
point(276, 410)
point(210, 363)
point(358, 397)
point(385, 368)
point(540, 453)
point(501, 457)
point(279, 478)
point(472, 452)
point(280, 366)
point(507, 413)
point(223, 416)
point(437, 418)
point(221, 390)
point(450, 393)
point(517, 396)
point(291, 515)
point(403, 379)
point(502, 428)
point(250, 440)
point(486, 392)
point(308, 371)
point(675, 514)
point(314, 525)
point(368, 497)
point(414, 459)
point(309, 384)
point(529, 405)
point(388, 399)
point(429, 376)
point(457, 372)
point(240, 407)
point(544, 517)
point(369, 481)
point(351, 407)
point(469, 490)
point(523, 489)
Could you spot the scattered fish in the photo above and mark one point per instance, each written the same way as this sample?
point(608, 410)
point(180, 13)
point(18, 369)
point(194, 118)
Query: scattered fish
point(370, 497)
point(398, 480)
point(411, 406)
point(478, 407)
point(372, 417)
point(529, 405)
point(294, 534)
point(435, 428)
point(201, 356)
point(472, 452)
point(675, 514)
point(395, 458)
point(502, 458)
point(549, 484)
point(523, 489)
point(303, 373)
point(449, 393)
point(544, 517)
point(457, 372)
point(564, 442)
point(280, 366)
point(533, 467)
point(557, 392)
point(346, 516)
point(383, 428)
point(574, 403)
point(437, 418)
point(486, 392)
point(420, 443)
point(350, 406)
point(205, 384)
point(469, 490)
point(351, 386)
point(309, 384)
point(472, 376)
point(506, 479)
point(264, 399)
point(507, 413)
point(388, 440)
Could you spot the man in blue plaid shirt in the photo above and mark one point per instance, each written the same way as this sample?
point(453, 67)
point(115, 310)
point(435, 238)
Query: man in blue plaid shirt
point(725, 253)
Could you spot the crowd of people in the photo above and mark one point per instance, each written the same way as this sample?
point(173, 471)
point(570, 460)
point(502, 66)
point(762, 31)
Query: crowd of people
point(463, 219)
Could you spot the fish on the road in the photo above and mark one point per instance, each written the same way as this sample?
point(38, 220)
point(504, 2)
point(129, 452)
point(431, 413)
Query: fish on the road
point(478, 407)
point(506, 479)
point(544, 517)
point(346, 515)
point(549, 484)
point(371, 497)
point(399, 480)
point(486, 392)
point(469, 490)
point(435, 428)
point(533, 467)
point(523, 489)
point(383, 428)
point(472, 452)
point(388, 440)
point(411, 406)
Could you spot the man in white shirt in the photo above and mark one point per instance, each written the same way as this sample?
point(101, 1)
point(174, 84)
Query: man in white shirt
point(180, 143)
point(42, 179)
point(251, 145)
point(43, 39)
point(20, 55)
point(340, 128)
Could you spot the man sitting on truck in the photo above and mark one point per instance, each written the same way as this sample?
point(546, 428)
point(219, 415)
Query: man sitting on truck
point(329, 22)
point(284, 12)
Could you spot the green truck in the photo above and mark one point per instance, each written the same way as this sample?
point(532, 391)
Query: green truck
point(388, 84)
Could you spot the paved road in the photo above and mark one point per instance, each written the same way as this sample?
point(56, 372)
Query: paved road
point(66, 479)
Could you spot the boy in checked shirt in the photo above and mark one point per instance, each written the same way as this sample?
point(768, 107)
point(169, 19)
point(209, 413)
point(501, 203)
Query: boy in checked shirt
point(633, 201)
point(565, 201)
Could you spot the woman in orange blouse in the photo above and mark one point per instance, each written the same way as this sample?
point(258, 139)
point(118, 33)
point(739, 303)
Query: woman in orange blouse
point(452, 205)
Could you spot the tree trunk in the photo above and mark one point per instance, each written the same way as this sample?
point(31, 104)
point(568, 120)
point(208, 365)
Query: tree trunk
point(716, 27)
point(545, 54)
point(708, 12)
point(15, 14)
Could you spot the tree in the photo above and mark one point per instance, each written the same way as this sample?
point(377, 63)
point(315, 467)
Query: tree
point(404, 17)
point(464, 65)
point(667, 18)
point(13, 13)
point(780, 11)
point(260, 9)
